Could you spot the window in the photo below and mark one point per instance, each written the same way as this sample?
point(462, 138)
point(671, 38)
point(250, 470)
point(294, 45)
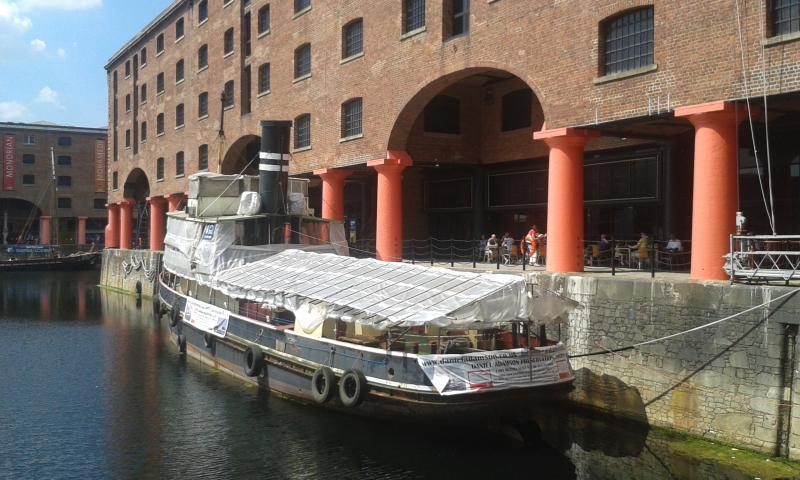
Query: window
point(246, 29)
point(160, 83)
point(64, 141)
point(202, 57)
point(302, 131)
point(160, 44)
point(179, 71)
point(263, 78)
point(143, 93)
point(202, 157)
point(179, 29)
point(28, 158)
point(352, 38)
point(202, 104)
point(628, 41)
point(127, 69)
point(263, 19)
point(128, 138)
point(459, 17)
point(128, 102)
point(179, 115)
point(115, 181)
point(228, 95)
point(351, 118)
point(99, 203)
point(179, 164)
point(64, 181)
point(300, 5)
point(64, 202)
point(413, 15)
point(202, 11)
point(160, 124)
point(64, 160)
point(143, 131)
point(160, 169)
point(517, 109)
point(443, 115)
point(785, 16)
point(143, 56)
point(29, 140)
point(302, 60)
point(28, 179)
point(228, 41)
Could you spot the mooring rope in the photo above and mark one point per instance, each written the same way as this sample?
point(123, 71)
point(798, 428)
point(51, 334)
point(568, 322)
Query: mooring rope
point(678, 334)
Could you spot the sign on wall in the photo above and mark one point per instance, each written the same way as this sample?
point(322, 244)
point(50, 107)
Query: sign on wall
point(9, 162)
point(100, 166)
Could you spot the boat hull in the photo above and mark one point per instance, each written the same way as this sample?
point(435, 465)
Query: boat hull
point(85, 261)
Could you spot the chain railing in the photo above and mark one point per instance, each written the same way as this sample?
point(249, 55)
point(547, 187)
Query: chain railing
point(763, 258)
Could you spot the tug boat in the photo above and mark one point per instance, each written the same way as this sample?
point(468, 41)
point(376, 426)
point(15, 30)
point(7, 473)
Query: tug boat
point(270, 295)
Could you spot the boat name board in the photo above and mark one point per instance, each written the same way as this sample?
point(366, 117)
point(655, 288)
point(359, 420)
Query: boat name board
point(205, 317)
point(473, 372)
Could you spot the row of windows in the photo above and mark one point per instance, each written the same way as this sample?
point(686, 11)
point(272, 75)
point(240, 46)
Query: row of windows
point(351, 124)
point(61, 160)
point(202, 163)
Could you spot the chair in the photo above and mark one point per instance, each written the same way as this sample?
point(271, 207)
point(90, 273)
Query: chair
point(594, 254)
point(514, 255)
point(643, 255)
point(542, 254)
point(488, 255)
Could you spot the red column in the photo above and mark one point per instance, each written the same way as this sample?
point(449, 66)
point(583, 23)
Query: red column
point(333, 192)
point(389, 221)
point(44, 229)
point(157, 222)
point(174, 200)
point(565, 197)
point(715, 196)
point(112, 229)
point(125, 223)
point(81, 230)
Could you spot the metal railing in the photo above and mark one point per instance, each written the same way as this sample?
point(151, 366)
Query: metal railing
point(763, 258)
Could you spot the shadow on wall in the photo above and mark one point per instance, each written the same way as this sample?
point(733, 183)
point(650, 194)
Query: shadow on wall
point(608, 394)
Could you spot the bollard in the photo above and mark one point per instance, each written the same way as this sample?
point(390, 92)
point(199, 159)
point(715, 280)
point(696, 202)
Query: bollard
point(431, 240)
point(524, 259)
point(653, 260)
point(613, 256)
point(451, 253)
point(413, 251)
point(498, 254)
point(474, 242)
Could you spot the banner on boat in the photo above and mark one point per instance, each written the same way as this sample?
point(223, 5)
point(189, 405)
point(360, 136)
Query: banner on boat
point(205, 317)
point(473, 372)
point(9, 162)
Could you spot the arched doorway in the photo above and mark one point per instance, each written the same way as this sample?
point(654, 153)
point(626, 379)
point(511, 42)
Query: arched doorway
point(469, 134)
point(242, 156)
point(19, 221)
point(137, 188)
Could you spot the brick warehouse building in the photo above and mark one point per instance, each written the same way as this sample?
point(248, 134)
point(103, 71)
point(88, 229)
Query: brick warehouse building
point(74, 212)
point(454, 118)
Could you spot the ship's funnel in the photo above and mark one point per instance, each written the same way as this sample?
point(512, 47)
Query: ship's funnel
point(273, 167)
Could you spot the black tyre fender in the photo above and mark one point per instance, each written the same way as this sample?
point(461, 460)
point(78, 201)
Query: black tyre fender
point(208, 340)
point(174, 317)
point(323, 384)
point(180, 340)
point(253, 361)
point(352, 388)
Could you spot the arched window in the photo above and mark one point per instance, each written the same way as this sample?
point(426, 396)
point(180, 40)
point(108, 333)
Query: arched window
point(352, 38)
point(202, 157)
point(159, 169)
point(160, 124)
point(202, 57)
point(627, 41)
point(302, 131)
point(302, 60)
point(179, 171)
point(263, 78)
point(351, 118)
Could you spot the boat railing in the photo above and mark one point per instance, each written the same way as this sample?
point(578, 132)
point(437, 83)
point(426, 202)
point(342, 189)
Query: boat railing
point(763, 258)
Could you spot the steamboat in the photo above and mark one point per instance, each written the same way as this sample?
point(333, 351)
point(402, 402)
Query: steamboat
point(256, 288)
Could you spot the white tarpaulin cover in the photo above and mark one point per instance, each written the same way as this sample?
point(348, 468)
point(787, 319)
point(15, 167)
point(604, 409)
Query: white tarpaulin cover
point(473, 372)
point(375, 293)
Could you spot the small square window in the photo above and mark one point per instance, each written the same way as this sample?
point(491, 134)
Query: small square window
point(29, 140)
point(28, 158)
point(64, 181)
point(300, 5)
point(99, 203)
point(64, 160)
point(28, 179)
point(64, 141)
point(64, 202)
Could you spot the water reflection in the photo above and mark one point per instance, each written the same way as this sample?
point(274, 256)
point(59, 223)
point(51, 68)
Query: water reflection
point(95, 390)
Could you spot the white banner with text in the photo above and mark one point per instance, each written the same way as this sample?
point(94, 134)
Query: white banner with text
point(205, 317)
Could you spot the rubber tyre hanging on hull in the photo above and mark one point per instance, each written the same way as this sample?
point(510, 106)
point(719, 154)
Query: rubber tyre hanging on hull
point(180, 340)
point(323, 384)
point(352, 388)
point(208, 340)
point(174, 317)
point(253, 361)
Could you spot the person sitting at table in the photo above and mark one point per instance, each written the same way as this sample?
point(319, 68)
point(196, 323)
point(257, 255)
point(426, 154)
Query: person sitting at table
point(674, 245)
point(605, 243)
point(491, 248)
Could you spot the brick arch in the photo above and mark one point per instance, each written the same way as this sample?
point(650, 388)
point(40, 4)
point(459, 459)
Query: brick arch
point(136, 185)
point(242, 152)
point(435, 84)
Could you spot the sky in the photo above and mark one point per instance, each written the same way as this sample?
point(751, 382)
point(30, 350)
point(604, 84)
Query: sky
point(52, 54)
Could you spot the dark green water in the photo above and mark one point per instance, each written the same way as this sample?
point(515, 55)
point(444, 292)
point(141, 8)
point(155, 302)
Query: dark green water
point(90, 387)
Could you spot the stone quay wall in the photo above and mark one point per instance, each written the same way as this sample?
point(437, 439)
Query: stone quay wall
point(734, 382)
point(125, 269)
